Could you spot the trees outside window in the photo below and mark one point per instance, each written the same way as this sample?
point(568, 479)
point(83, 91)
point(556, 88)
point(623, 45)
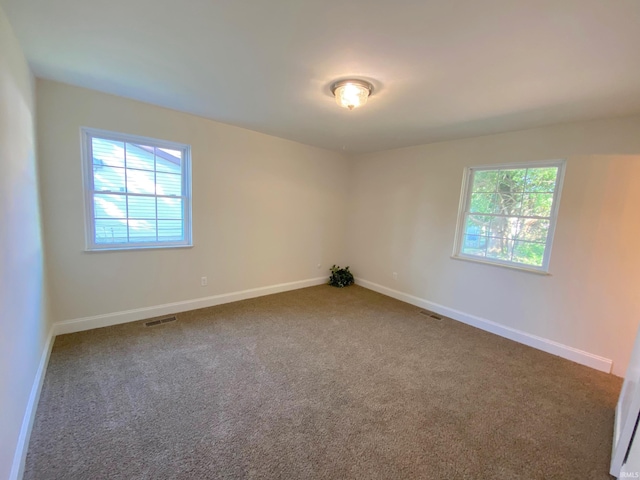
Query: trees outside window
point(508, 214)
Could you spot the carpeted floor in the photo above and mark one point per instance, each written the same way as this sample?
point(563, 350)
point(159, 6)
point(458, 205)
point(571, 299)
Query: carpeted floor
point(318, 383)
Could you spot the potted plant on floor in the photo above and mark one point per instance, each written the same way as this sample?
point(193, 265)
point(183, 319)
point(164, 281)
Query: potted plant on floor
point(340, 277)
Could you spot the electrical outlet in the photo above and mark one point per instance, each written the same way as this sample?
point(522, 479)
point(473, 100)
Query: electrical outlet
point(203, 282)
point(395, 276)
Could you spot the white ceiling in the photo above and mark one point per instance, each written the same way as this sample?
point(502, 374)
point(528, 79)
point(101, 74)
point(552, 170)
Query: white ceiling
point(441, 69)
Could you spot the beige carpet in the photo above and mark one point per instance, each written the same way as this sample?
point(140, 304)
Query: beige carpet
point(319, 383)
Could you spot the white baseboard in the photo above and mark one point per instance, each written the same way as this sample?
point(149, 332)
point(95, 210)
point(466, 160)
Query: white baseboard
point(20, 455)
point(549, 346)
point(87, 323)
point(108, 319)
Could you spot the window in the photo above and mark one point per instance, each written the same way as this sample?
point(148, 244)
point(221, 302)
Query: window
point(137, 190)
point(508, 214)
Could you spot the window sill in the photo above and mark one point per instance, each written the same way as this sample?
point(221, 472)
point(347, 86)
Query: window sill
point(129, 249)
point(501, 265)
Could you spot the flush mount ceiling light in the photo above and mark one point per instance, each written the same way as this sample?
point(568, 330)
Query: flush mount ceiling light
point(351, 93)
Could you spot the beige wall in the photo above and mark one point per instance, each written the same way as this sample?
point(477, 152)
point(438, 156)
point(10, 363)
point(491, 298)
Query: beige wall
point(403, 217)
point(265, 210)
point(24, 321)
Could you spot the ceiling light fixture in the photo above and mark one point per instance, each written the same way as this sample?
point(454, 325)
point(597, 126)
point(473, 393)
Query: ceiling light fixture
point(351, 93)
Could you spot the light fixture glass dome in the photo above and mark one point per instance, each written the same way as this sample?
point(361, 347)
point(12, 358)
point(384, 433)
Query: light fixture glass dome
point(351, 93)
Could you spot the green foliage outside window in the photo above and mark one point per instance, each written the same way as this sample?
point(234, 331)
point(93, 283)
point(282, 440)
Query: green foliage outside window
point(509, 212)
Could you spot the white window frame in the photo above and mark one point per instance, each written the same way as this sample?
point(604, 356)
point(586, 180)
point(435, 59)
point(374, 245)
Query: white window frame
point(465, 200)
point(87, 134)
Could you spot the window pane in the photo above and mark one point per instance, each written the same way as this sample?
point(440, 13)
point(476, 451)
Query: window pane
point(537, 204)
point(170, 208)
point(107, 152)
point(168, 160)
point(109, 206)
point(474, 245)
point(142, 230)
point(528, 253)
point(135, 184)
point(140, 156)
point(504, 203)
point(139, 181)
point(504, 227)
point(533, 230)
point(483, 203)
point(541, 179)
point(508, 203)
point(508, 216)
point(512, 180)
point(500, 248)
point(108, 179)
point(170, 230)
point(485, 181)
point(110, 231)
point(478, 224)
point(169, 184)
point(142, 207)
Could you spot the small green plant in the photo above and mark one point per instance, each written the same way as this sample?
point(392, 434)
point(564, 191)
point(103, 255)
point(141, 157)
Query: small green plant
point(340, 277)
